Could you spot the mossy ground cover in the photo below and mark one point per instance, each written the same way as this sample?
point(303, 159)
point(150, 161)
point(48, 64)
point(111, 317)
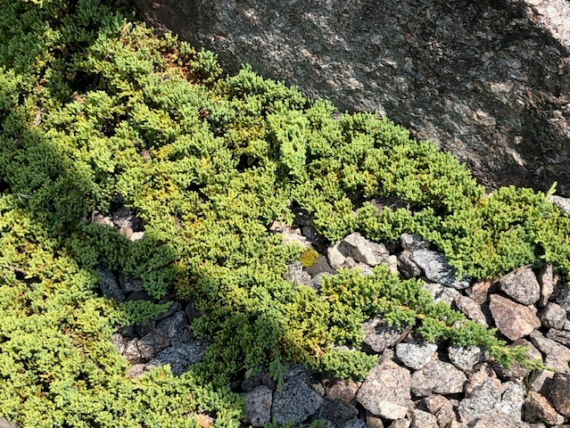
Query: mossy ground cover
point(97, 112)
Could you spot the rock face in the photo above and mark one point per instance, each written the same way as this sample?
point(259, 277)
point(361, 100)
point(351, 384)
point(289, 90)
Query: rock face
point(487, 80)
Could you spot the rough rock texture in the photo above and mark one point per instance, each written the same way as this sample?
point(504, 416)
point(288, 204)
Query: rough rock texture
point(416, 355)
point(521, 285)
point(438, 378)
point(488, 80)
point(258, 406)
point(538, 409)
point(436, 269)
point(558, 393)
point(296, 401)
point(363, 250)
point(385, 391)
point(513, 320)
point(378, 336)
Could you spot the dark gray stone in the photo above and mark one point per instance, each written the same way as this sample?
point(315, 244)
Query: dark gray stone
point(296, 402)
point(488, 81)
point(129, 285)
point(355, 423)
point(180, 358)
point(109, 285)
point(413, 243)
point(175, 306)
point(337, 411)
point(320, 266)
point(435, 268)
point(558, 393)
point(561, 336)
point(557, 355)
point(151, 344)
point(175, 328)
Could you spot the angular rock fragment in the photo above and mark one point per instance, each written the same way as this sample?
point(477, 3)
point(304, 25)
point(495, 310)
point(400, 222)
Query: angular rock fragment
point(512, 319)
point(295, 402)
point(344, 390)
point(541, 380)
point(335, 257)
point(437, 269)
point(258, 406)
point(521, 285)
point(482, 400)
point(151, 344)
point(552, 316)
point(386, 391)
point(175, 328)
point(320, 266)
point(465, 358)
point(129, 285)
point(337, 411)
point(562, 203)
point(406, 266)
point(538, 409)
point(363, 250)
point(297, 275)
point(421, 419)
point(440, 293)
point(438, 377)
point(355, 423)
point(471, 309)
point(558, 393)
point(512, 400)
point(557, 355)
point(415, 354)
point(546, 280)
point(179, 358)
point(561, 336)
point(110, 287)
point(378, 336)
point(479, 292)
point(413, 242)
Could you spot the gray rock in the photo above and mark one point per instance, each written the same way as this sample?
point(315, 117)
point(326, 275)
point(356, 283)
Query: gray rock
point(471, 309)
point(415, 355)
point(400, 423)
point(337, 411)
point(109, 286)
point(552, 316)
point(120, 342)
point(355, 423)
point(496, 419)
point(406, 266)
point(438, 377)
point(350, 263)
point(129, 285)
point(436, 269)
point(465, 358)
point(546, 280)
point(132, 353)
point(558, 393)
point(521, 285)
point(135, 371)
point(123, 218)
point(335, 257)
point(538, 409)
point(479, 292)
point(100, 219)
point(258, 406)
point(413, 243)
point(540, 381)
point(181, 357)
point(512, 319)
point(297, 275)
point(251, 382)
point(512, 400)
point(373, 421)
point(441, 293)
point(561, 336)
point(140, 295)
point(317, 281)
point(192, 312)
point(363, 250)
point(295, 402)
point(421, 419)
point(483, 399)
point(562, 203)
point(175, 306)
point(378, 336)
point(4, 423)
point(151, 344)
point(433, 403)
point(563, 298)
point(176, 329)
point(446, 415)
point(557, 355)
point(386, 391)
point(320, 266)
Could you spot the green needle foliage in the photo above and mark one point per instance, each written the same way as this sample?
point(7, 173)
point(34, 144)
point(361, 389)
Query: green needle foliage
point(97, 112)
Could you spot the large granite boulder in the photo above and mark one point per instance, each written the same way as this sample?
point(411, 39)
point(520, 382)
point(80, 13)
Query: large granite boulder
point(487, 80)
